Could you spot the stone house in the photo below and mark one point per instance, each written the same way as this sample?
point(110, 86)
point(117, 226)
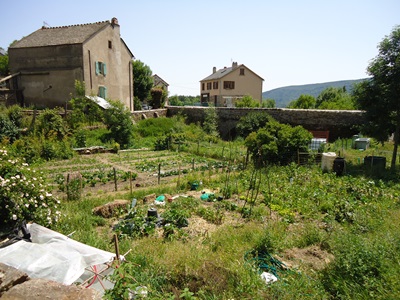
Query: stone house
point(160, 83)
point(224, 86)
point(47, 63)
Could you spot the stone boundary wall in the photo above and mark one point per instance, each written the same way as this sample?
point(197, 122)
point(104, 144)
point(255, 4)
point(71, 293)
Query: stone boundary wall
point(339, 123)
point(146, 114)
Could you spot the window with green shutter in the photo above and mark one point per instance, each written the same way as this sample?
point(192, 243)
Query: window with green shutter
point(102, 92)
point(100, 68)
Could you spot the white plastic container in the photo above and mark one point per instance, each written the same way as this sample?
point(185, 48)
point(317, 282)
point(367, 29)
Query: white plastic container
point(327, 161)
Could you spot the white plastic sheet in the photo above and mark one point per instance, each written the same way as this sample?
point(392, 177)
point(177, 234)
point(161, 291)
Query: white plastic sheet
point(52, 256)
point(268, 277)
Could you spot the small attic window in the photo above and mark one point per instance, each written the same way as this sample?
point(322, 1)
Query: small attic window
point(109, 44)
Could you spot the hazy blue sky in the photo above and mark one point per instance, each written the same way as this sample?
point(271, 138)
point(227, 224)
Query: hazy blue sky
point(286, 42)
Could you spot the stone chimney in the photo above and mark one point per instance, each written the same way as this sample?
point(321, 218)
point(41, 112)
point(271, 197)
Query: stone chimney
point(234, 65)
point(114, 21)
point(214, 69)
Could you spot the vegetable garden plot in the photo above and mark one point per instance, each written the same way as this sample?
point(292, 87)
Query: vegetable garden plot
point(109, 172)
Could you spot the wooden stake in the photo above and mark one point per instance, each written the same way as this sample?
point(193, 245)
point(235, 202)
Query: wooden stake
point(159, 173)
point(130, 181)
point(116, 246)
point(115, 180)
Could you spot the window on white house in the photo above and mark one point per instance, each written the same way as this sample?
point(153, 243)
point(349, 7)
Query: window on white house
point(241, 71)
point(215, 85)
point(101, 68)
point(208, 85)
point(102, 92)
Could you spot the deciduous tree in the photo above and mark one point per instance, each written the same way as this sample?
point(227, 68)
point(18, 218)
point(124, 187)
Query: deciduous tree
point(380, 96)
point(303, 102)
point(334, 98)
point(142, 80)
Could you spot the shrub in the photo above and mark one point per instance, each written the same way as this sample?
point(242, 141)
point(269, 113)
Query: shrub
point(14, 113)
point(80, 139)
point(210, 125)
point(252, 122)
point(8, 130)
point(155, 126)
point(277, 143)
point(23, 196)
point(247, 101)
point(118, 120)
point(51, 125)
point(74, 187)
point(84, 110)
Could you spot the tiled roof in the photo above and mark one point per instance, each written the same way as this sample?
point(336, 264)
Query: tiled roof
point(218, 74)
point(51, 36)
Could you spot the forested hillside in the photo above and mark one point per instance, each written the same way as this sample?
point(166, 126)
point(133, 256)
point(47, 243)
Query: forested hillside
point(284, 95)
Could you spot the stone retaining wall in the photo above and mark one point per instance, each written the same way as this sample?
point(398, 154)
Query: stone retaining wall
point(339, 123)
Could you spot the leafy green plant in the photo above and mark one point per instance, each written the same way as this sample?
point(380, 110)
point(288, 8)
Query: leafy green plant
point(187, 295)
point(287, 215)
point(124, 284)
point(135, 225)
point(213, 215)
point(176, 216)
point(74, 187)
point(80, 139)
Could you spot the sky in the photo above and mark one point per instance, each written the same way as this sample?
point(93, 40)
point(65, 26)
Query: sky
point(286, 42)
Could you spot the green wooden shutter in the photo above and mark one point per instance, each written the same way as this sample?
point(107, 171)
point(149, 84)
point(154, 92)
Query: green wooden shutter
point(97, 67)
point(104, 69)
point(102, 92)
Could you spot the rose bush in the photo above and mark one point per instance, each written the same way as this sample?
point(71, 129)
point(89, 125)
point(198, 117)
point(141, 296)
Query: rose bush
point(23, 195)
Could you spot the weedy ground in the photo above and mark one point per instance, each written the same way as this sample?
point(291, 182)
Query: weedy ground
point(324, 236)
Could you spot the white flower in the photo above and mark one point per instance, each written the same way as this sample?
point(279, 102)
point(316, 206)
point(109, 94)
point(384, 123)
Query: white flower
point(14, 217)
point(48, 195)
point(41, 197)
point(27, 204)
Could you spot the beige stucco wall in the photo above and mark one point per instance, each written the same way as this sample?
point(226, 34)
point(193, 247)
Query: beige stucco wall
point(118, 79)
point(47, 73)
point(247, 84)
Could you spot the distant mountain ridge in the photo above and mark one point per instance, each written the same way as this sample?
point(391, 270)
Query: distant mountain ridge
point(284, 95)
